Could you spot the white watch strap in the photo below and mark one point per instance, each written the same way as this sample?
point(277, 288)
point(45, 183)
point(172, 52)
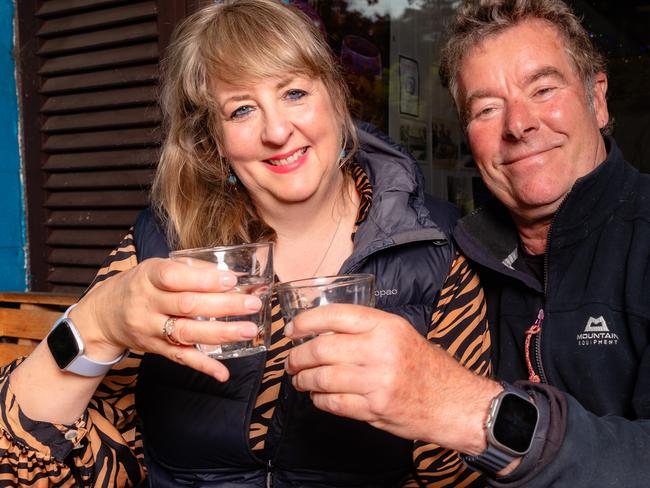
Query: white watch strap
point(82, 364)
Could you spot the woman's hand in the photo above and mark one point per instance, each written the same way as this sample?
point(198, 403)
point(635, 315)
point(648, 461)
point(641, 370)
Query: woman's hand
point(129, 310)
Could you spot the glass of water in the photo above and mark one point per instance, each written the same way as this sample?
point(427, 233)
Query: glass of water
point(297, 296)
point(253, 266)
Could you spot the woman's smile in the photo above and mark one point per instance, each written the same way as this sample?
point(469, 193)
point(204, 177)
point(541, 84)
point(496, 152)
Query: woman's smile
point(284, 163)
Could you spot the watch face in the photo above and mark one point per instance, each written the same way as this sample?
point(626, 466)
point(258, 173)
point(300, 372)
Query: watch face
point(515, 423)
point(63, 344)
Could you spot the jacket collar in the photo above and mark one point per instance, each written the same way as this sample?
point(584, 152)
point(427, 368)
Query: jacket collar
point(593, 198)
point(397, 214)
point(489, 237)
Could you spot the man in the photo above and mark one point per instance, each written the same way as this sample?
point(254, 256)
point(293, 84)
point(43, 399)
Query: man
point(563, 252)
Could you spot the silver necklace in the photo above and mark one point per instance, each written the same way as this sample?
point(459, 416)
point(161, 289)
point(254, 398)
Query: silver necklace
point(329, 246)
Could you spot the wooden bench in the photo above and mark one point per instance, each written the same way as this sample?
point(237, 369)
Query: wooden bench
point(26, 318)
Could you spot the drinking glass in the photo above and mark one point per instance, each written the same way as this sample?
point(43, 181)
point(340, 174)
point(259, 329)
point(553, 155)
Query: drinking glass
point(297, 296)
point(253, 266)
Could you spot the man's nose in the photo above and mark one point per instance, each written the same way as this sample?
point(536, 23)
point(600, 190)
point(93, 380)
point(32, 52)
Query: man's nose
point(520, 121)
point(277, 127)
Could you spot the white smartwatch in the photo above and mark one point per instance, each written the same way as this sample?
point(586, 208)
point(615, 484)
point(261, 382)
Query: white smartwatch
point(67, 348)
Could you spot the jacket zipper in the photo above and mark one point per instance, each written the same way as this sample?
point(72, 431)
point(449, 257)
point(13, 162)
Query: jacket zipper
point(534, 332)
point(269, 474)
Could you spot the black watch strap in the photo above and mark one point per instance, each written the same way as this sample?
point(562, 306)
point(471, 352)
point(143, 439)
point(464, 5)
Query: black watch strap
point(498, 455)
point(492, 460)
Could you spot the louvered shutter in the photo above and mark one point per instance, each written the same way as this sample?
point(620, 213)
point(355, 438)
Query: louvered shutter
point(91, 125)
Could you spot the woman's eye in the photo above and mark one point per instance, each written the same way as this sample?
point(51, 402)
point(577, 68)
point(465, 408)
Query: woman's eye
point(295, 94)
point(241, 111)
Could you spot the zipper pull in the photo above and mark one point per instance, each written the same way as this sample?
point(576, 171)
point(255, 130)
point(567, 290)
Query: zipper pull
point(534, 329)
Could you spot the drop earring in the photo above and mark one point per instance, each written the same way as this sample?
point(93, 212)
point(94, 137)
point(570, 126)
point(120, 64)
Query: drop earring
point(342, 155)
point(232, 178)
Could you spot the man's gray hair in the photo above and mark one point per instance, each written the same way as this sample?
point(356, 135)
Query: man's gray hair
point(478, 19)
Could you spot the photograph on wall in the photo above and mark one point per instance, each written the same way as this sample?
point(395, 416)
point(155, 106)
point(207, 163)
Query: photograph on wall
point(413, 136)
point(445, 139)
point(409, 83)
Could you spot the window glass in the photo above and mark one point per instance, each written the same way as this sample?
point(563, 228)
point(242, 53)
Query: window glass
point(621, 31)
point(389, 50)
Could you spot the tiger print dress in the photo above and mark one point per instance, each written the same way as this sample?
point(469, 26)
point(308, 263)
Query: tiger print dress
point(103, 448)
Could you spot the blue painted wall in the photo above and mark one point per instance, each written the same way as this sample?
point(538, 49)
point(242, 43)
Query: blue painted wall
point(13, 274)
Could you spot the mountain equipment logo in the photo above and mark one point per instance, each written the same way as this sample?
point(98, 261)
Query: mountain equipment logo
point(597, 333)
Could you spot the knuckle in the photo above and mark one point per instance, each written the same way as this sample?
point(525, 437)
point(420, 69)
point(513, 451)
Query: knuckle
point(187, 302)
point(180, 331)
point(166, 273)
point(322, 379)
point(180, 356)
point(334, 402)
point(298, 382)
point(380, 404)
point(320, 349)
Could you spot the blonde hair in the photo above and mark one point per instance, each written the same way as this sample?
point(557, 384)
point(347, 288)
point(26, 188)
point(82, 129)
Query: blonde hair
point(233, 41)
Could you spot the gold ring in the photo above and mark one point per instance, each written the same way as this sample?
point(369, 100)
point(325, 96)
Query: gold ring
point(168, 330)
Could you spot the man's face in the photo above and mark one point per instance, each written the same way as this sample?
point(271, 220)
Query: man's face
point(531, 128)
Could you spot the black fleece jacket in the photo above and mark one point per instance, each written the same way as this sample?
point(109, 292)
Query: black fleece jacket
point(593, 352)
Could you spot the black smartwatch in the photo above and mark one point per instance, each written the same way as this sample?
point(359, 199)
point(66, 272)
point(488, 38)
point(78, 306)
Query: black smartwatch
point(67, 349)
point(510, 429)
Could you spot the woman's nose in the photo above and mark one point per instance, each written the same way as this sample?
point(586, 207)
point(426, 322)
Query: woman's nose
point(277, 128)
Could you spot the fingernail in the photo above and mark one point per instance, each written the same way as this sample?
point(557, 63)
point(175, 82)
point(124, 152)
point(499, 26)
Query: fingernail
point(248, 331)
point(228, 280)
point(288, 328)
point(220, 376)
point(252, 303)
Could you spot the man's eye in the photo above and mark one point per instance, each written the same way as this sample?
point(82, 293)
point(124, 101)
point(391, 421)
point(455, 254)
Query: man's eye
point(484, 112)
point(544, 91)
point(295, 94)
point(241, 111)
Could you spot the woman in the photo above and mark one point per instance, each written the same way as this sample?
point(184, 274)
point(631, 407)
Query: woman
point(259, 146)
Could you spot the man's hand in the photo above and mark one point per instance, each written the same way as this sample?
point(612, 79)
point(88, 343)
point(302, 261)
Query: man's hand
point(375, 367)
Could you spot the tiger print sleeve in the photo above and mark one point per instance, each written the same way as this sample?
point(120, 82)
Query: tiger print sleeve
point(102, 448)
point(459, 325)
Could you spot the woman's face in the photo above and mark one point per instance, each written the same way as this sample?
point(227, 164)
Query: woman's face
point(281, 136)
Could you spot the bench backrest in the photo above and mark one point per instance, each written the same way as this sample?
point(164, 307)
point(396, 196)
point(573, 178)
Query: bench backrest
point(26, 318)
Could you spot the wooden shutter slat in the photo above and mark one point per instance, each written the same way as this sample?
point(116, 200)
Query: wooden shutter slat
point(36, 298)
point(100, 100)
point(77, 257)
point(76, 276)
point(99, 179)
point(92, 218)
point(121, 56)
point(14, 322)
point(147, 73)
point(106, 238)
point(59, 7)
point(99, 39)
point(64, 288)
point(96, 199)
point(98, 19)
point(131, 117)
point(105, 139)
point(105, 159)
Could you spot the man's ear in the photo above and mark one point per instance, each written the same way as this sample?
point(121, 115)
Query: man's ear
point(600, 99)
